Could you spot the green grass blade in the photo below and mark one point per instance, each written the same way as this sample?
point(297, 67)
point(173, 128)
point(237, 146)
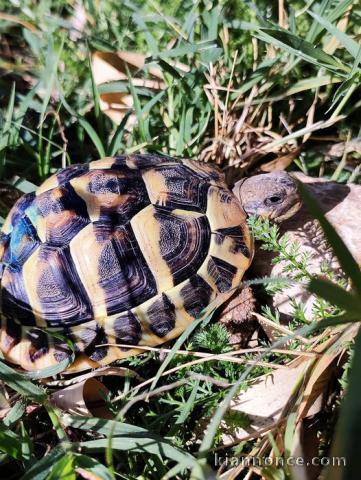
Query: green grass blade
point(92, 467)
point(26, 444)
point(96, 100)
point(49, 75)
point(10, 109)
point(166, 67)
point(23, 185)
point(116, 141)
point(93, 136)
point(5, 130)
point(21, 384)
point(204, 317)
point(104, 426)
point(51, 371)
point(356, 62)
point(40, 470)
point(125, 437)
point(343, 90)
point(87, 127)
point(315, 27)
point(335, 295)
point(152, 44)
point(54, 369)
point(339, 9)
point(23, 107)
point(351, 46)
point(63, 469)
point(301, 48)
point(143, 130)
point(180, 135)
point(346, 443)
point(149, 105)
point(15, 414)
point(10, 443)
point(187, 49)
point(95, 93)
point(116, 86)
point(312, 83)
point(137, 445)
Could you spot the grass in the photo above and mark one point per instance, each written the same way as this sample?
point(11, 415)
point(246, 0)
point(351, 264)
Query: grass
point(247, 85)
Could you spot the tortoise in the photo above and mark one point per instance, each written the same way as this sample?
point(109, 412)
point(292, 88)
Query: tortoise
point(125, 250)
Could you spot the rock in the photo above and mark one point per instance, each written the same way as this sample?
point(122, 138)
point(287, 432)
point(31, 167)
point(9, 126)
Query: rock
point(342, 207)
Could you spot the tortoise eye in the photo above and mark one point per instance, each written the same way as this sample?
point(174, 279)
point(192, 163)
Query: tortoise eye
point(273, 200)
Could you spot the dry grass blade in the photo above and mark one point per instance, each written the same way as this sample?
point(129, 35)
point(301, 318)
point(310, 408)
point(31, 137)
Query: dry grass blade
point(99, 372)
point(14, 19)
point(232, 353)
point(332, 350)
point(271, 328)
point(208, 358)
point(311, 115)
point(303, 131)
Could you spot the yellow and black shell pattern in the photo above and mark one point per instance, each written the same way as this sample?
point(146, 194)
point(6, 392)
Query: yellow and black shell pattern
point(122, 251)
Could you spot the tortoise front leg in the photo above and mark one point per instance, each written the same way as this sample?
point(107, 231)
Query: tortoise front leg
point(236, 316)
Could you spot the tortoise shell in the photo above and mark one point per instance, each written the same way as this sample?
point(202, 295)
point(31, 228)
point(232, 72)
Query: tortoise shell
point(122, 251)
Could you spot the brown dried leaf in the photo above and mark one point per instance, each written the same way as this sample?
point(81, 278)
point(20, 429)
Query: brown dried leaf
point(85, 398)
point(85, 395)
point(272, 396)
point(111, 67)
point(280, 163)
point(322, 370)
point(264, 402)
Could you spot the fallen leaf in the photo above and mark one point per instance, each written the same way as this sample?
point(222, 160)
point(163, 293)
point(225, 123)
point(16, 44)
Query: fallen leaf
point(85, 395)
point(280, 163)
point(305, 442)
point(99, 372)
point(271, 397)
point(85, 398)
point(264, 401)
point(322, 370)
point(112, 67)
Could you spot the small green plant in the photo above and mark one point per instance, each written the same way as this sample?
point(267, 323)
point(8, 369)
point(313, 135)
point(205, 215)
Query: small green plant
point(295, 266)
point(267, 233)
point(214, 339)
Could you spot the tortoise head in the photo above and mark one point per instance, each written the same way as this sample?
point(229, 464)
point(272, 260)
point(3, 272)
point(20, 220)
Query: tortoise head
point(269, 195)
